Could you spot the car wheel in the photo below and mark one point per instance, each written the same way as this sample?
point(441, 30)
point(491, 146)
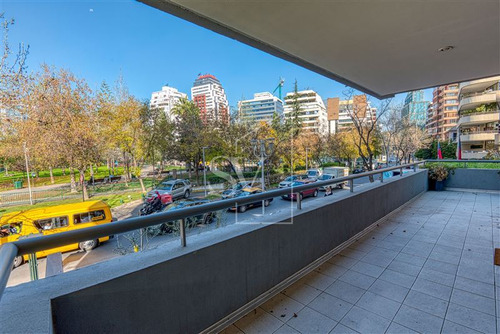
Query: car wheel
point(186, 194)
point(18, 260)
point(242, 208)
point(266, 202)
point(315, 194)
point(88, 245)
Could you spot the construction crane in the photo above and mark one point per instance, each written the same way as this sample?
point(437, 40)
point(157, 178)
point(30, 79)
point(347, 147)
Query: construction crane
point(282, 82)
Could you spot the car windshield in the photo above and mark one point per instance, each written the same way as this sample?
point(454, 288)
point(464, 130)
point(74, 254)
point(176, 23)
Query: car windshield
point(291, 178)
point(244, 193)
point(297, 183)
point(325, 177)
point(165, 186)
point(312, 173)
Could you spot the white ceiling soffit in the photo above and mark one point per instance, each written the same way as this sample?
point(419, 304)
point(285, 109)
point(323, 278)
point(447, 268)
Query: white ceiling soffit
point(381, 47)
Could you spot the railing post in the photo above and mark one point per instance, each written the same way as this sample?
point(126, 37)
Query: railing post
point(299, 202)
point(382, 177)
point(33, 263)
point(8, 253)
point(182, 231)
point(401, 172)
point(351, 185)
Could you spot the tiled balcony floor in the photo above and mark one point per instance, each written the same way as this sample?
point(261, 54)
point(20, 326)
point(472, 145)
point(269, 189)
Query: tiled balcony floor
point(428, 268)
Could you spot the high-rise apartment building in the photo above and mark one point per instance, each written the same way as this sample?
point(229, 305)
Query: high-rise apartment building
point(207, 93)
point(478, 109)
point(312, 112)
point(442, 113)
point(166, 99)
point(343, 111)
point(262, 107)
point(415, 108)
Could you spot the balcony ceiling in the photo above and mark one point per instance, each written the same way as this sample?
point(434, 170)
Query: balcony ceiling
point(377, 46)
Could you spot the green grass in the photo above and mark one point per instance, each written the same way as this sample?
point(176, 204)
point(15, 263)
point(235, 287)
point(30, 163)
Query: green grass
point(6, 182)
point(113, 200)
point(481, 165)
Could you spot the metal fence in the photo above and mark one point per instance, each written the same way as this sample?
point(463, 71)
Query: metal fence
point(32, 245)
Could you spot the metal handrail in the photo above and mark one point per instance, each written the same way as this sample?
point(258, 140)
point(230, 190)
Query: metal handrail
point(35, 244)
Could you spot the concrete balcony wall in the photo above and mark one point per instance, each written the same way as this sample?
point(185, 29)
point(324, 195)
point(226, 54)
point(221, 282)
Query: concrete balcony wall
point(479, 118)
point(189, 293)
point(478, 136)
point(474, 178)
point(477, 100)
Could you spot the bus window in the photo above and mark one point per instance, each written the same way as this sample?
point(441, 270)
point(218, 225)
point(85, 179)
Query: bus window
point(52, 223)
point(87, 217)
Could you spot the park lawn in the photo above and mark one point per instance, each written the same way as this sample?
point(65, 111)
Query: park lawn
point(59, 178)
point(113, 200)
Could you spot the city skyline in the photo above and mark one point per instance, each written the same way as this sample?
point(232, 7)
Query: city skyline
point(126, 49)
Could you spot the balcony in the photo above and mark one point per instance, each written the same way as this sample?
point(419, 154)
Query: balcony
point(477, 85)
point(485, 135)
point(427, 268)
point(479, 99)
point(479, 118)
point(388, 255)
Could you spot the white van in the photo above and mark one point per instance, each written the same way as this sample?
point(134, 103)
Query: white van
point(334, 173)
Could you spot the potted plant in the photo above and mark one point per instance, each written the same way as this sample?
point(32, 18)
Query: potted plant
point(438, 175)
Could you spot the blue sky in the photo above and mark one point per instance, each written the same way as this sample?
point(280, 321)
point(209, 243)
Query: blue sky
point(100, 40)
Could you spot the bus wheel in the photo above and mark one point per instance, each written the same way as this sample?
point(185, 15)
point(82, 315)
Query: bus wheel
point(18, 261)
point(88, 245)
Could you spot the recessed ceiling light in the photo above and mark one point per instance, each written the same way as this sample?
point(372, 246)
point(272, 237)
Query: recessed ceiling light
point(446, 48)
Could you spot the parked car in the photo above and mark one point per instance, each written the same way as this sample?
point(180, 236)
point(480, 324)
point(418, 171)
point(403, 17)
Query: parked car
point(235, 189)
point(169, 227)
point(313, 173)
point(289, 180)
point(247, 192)
point(176, 188)
point(303, 194)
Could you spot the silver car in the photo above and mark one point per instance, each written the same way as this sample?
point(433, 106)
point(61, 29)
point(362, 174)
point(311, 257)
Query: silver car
point(291, 179)
point(176, 188)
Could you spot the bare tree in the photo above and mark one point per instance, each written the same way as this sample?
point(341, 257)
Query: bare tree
point(365, 130)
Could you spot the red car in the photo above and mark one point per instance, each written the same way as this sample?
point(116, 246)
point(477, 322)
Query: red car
point(305, 193)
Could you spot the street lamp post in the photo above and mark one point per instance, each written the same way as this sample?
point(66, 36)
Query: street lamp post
point(204, 171)
point(259, 150)
point(307, 157)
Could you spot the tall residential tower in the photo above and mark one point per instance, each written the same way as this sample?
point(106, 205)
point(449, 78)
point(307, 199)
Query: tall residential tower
point(207, 93)
point(166, 99)
point(442, 114)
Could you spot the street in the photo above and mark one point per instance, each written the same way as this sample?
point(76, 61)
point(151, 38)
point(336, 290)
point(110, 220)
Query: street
point(123, 244)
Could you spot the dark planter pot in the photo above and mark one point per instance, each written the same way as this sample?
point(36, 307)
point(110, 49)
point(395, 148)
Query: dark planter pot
point(439, 186)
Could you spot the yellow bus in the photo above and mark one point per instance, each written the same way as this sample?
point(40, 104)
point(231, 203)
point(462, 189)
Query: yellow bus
point(54, 219)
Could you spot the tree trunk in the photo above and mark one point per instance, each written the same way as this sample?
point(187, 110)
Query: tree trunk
point(63, 171)
point(84, 186)
point(136, 168)
point(72, 178)
point(6, 170)
point(51, 175)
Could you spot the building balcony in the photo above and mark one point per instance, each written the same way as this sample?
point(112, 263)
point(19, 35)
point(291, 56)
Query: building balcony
point(479, 99)
point(479, 118)
point(485, 135)
point(388, 257)
point(477, 85)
